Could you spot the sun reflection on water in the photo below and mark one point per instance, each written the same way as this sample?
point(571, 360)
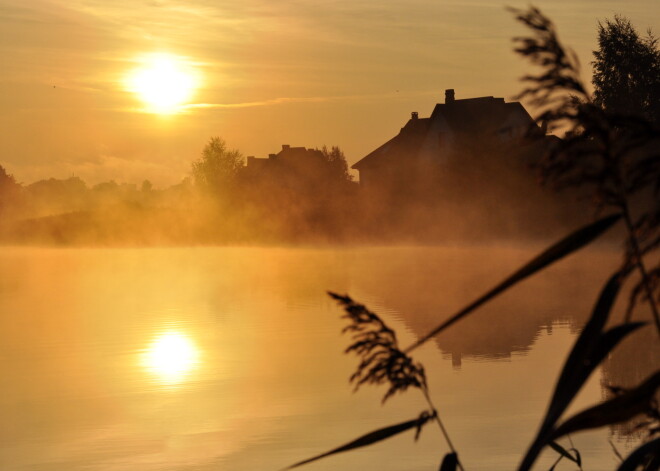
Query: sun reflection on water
point(171, 357)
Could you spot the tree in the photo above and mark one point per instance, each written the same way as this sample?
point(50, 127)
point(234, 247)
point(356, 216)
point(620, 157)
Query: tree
point(7, 181)
point(337, 165)
point(218, 166)
point(54, 195)
point(108, 187)
point(627, 70)
point(146, 187)
point(9, 189)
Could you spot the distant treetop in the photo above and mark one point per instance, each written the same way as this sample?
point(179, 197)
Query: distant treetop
point(627, 70)
point(217, 166)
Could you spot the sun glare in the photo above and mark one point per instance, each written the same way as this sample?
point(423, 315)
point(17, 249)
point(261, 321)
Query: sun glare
point(171, 356)
point(163, 82)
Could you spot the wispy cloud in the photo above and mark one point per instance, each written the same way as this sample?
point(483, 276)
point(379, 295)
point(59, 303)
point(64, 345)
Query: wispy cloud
point(251, 104)
point(315, 99)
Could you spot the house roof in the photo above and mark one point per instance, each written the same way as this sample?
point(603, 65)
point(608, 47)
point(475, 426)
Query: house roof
point(472, 116)
point(477, 115)
point(288, 155)
point(409, 140)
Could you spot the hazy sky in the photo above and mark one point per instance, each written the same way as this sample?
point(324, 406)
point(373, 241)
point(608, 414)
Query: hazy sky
point(298, 72)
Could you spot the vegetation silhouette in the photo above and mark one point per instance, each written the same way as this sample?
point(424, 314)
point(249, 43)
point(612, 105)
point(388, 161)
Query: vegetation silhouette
point(300, 194)
point(303, 195)
point(627, 70)
point(613, 157)
point(216, 170)
point(9, 191)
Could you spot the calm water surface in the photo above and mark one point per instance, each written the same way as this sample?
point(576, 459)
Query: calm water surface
point(230, 358)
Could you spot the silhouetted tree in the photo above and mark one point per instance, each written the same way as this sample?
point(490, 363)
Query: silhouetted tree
point(338, 167)
point(54, 195)
point(7, 181)
point(218, 166)
point(110, 186)
point(9, 189)
point(54, 187)
point(147, 186)
point(627, 70)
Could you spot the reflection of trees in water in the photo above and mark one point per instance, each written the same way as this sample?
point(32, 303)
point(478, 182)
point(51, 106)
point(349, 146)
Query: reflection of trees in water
point(426, 286)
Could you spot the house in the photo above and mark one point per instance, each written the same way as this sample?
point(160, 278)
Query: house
point(298, 167)
point(295, 163)
point(300, 171)
point(456, 131)
point(292, 169)
point(299, 193)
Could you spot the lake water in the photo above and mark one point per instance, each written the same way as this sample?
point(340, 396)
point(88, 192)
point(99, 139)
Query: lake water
point(231, 358)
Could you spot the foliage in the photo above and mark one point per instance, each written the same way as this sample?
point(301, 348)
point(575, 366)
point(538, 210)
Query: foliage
point(382, 362)
point(8, 186)
point(6, 180)
point(303, 196)
point(646, 456)
point(72, 187)
point(627, 70)
point(108, 187)
point(376, 436)
point(623, 407)
point(614, 157)
point(218, 166)
point(589, 350)
point(146, 186)
point(337, 165)
point(10, 193)
point(55, 195)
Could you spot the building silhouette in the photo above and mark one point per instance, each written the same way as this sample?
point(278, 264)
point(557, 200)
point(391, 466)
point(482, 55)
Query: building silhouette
point(296, 161)
point(459, 133)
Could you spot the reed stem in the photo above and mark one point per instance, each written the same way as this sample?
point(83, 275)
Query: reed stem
point(440, 424)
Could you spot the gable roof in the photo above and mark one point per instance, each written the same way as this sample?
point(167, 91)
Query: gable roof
point(409, 140)
point(468, 117)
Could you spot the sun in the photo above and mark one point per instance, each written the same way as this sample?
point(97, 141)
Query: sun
point(171, 356)
point(163, 82)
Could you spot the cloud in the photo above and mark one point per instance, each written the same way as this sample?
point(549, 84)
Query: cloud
point(251, 104)
point(315, 99)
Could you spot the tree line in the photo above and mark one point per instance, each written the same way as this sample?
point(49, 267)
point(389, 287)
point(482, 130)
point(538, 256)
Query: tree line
point(228, 198)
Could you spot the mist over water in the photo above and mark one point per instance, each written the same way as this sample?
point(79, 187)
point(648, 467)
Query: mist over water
point(214, 324)
point(483, 189)
point(211, 343)
point(230, 358)
point(474, 206)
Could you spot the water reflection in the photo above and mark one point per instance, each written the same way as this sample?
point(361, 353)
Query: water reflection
point(423, 286)
point(171, 357)
point(247, 346)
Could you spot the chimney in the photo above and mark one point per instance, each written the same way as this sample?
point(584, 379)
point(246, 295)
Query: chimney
point(414, 115)
point(449, 95)
point(286, 146)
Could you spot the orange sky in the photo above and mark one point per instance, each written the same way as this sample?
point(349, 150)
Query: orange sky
point(299, 72)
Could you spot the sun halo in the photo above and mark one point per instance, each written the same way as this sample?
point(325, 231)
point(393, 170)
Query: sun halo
point(163, 82)
point(171, 357)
